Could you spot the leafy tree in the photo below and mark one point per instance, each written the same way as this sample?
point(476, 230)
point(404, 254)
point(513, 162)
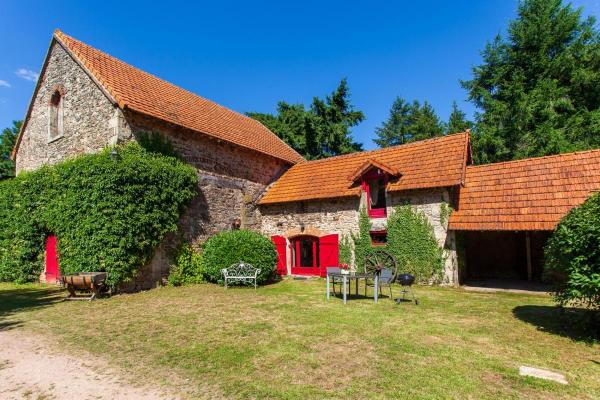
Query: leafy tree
point(457, 122)
point(538, 88)
point(8, 138)
point(408, 122)
point(323, 130)
point(573, 256)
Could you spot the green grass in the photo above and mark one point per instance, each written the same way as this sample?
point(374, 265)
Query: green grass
point(286, 341)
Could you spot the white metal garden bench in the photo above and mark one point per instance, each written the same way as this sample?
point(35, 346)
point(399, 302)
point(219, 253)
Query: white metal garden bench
point(241, 272)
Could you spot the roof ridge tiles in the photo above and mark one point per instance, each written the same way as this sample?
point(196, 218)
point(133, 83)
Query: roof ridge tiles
point(384, 149)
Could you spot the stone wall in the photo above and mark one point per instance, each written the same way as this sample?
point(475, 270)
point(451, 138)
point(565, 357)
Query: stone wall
point(341, 216)
point(230, 180)
point(88, 115)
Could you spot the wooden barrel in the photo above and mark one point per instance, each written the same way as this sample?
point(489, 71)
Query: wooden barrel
point(85, 281)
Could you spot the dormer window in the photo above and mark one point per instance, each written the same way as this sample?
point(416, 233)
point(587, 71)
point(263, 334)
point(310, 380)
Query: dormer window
point(375, 182)
point(55, 116)
point(373, 176)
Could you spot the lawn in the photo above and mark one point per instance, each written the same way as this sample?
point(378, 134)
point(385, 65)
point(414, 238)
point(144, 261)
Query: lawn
point(286, 341)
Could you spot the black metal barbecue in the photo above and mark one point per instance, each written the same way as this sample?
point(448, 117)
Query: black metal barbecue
point(406, 281)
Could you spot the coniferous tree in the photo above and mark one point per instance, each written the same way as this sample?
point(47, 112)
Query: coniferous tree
point(8, 139)
point(538, 89)
point(395, 130)
point(457, 122)
point(426, 123)
point(321, 131)
point(409, 122)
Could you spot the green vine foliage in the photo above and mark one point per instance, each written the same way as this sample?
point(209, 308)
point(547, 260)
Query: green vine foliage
point(154, 142)
point(345, 250)
point(227, 248)
point(410, 238)
point(186, 267)
point(108, 215)
point(572, 256)
point(362, 240)
point(445, 212)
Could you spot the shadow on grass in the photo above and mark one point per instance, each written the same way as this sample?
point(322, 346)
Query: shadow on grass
point(575, 323)
point(13, 301)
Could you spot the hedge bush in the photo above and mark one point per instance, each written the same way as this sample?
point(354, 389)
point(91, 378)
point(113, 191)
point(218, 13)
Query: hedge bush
point(227, 248)
point(573, 256)
point(410, 238)
point(186, 267)
point(108, 215)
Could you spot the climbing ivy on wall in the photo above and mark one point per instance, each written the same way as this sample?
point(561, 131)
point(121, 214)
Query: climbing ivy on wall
point(362, 240)
point(345, 250)
point(411, 239)
point(445, 212)
point(108, 215)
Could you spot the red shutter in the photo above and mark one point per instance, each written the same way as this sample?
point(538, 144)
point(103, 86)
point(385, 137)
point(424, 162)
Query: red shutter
point(328, 252)
point(281, 246)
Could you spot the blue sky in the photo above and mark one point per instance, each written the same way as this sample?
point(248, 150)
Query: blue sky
point(249, 55)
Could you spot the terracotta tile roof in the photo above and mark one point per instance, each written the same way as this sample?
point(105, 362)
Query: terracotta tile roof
point(531, 194)
point(139, 91)
point(429, 163)
point(370, 164)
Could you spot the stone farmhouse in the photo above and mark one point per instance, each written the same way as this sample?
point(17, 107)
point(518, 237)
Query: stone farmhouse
point(86, 100)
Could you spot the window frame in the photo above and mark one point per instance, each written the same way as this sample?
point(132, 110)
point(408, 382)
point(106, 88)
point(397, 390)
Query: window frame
point(378, 233)
point(56, 110)
point(368, 177)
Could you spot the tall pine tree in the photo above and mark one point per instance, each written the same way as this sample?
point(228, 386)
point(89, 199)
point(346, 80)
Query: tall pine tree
point(538, 89)
point(457, 122)
point(396, 129)
point(408, 122)
point(321, 131)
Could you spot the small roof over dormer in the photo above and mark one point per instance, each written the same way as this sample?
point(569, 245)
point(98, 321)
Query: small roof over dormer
point(370, 164)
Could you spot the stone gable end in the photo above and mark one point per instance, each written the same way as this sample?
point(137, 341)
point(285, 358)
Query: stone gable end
point(88, 115)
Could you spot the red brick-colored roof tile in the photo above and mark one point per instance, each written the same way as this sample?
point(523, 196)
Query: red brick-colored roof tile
point(142, 92)
point(438, 162)
point(530, 194)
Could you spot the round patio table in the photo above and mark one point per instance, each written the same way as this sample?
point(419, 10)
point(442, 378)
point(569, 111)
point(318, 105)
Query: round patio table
point(346, 278)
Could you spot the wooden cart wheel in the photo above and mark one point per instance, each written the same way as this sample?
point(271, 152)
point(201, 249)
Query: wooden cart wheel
point(378, 260)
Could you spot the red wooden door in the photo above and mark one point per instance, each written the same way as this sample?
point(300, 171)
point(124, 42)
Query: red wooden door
point(305, 250)
point(52, 268)
point(281, 246)
point(328, 253)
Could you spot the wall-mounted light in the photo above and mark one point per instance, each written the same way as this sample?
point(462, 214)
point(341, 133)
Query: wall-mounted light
point(301, 226)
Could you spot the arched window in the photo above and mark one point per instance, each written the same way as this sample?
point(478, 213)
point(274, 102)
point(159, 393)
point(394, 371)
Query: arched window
point(55, 116)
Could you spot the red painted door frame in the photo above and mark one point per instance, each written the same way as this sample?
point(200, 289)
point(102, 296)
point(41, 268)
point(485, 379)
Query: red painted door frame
point(369, 176)
point(297, 268)
point(52, 268)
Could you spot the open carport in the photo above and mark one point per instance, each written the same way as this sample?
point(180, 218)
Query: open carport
point(507, 211)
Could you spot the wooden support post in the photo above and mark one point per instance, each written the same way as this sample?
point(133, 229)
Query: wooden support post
point(529, 267)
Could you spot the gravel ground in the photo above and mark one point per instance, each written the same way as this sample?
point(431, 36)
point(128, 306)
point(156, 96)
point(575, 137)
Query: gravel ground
point(30, 368)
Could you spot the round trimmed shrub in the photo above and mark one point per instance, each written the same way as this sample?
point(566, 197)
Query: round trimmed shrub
point(572, 256)
point(227, 248)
